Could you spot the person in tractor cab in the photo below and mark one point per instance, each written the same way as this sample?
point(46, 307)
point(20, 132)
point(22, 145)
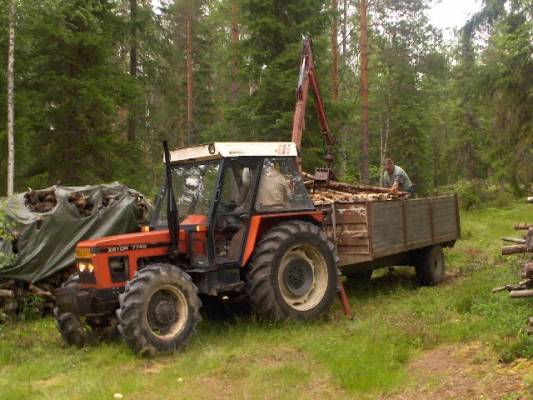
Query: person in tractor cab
point(273, 191)
point(397, 179)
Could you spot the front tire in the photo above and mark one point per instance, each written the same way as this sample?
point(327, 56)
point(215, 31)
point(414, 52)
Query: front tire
point(159, 309)
point(292, 274)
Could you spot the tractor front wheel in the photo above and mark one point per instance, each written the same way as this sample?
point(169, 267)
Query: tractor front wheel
point(292, 274)
point(159, 309)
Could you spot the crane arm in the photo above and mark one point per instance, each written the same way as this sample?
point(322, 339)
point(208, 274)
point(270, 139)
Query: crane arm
point(306, 78)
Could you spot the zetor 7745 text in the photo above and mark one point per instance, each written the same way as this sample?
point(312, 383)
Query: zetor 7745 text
point(231, 219)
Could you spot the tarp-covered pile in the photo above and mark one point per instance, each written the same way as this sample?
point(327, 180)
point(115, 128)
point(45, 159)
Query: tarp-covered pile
point(47, 224)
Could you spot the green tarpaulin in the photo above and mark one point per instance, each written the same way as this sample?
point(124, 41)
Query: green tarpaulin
point(46, 240)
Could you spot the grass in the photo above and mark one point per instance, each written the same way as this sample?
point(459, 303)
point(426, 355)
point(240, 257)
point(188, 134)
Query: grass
point(364, 358)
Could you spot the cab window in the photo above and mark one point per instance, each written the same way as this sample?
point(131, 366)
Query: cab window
point(281, 187)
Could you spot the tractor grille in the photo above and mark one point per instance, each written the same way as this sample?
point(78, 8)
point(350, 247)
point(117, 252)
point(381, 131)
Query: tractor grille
point(118, 269)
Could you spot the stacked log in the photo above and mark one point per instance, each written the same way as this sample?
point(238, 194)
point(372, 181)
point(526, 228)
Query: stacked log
point(18, 298)
point(332, 191)
point(82, 203)
point(40, 201)
point(524, 289)
point(324, 196)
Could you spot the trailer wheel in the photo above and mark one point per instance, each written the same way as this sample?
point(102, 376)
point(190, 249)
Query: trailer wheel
point(71, 327)
point(292, 274)
point(430, 265)
point(159, 309)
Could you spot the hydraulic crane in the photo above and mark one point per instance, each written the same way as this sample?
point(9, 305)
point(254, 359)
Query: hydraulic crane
point(308, 78)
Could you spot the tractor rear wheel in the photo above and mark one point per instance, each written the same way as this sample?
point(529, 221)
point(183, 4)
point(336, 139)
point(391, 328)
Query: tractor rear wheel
point(430, 265)
point(292, 273)
point(70, 325)
point(159, 309)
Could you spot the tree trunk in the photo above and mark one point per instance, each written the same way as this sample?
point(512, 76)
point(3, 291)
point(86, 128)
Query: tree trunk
point(363, 46)
point(335, 52)
point(190, 138)
point(344, 35)
point(234, 43)
point(132, 115)
point(10, 100)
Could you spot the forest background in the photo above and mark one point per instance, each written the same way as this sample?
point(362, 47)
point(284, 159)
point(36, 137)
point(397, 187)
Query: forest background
point(99, 84)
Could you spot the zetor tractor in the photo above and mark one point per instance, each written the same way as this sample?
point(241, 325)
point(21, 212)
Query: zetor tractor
point(232, 220)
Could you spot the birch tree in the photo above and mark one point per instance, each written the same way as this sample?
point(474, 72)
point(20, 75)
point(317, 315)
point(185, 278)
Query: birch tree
point(10, 100)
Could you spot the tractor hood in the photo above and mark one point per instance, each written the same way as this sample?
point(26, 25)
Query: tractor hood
point(158, 237)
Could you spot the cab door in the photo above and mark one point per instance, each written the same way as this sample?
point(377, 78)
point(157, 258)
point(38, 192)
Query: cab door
point(233, 208)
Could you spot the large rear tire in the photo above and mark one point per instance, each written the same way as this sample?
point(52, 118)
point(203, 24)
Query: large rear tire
point(430, 266)
point(159, 310)
point(292, 273)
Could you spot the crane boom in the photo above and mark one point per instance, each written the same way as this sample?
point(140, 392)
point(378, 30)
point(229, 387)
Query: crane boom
point(307, 77)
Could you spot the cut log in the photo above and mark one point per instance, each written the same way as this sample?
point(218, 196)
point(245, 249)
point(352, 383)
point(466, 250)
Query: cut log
point(517, 249)
point(7, 284)
point(518, 294)
point(355, 189)
point(522, 227)
point(513, 240)
point(41, 293)
point(6, 294)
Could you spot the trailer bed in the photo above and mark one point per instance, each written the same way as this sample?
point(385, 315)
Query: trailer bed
point(367, 231)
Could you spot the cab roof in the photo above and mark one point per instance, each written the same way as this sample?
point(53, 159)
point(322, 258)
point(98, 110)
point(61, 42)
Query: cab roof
point(218, 150)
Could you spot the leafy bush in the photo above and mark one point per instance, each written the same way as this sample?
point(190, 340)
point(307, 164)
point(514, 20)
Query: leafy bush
point(5, 234)
point(477, 194)
point(468, 193)
point(502, 199)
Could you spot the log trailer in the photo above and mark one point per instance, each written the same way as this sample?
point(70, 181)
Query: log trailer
point(236, 220)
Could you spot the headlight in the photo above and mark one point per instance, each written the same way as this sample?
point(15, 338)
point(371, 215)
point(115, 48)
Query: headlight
point(85, 265)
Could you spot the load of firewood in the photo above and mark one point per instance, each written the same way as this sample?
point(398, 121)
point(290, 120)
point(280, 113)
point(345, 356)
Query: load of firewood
point(333, 191)
point(523, 245)
point(41, 201)
point(326, 195)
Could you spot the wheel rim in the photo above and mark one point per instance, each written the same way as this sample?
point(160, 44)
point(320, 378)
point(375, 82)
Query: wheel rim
point(167, 312)
point(303, 277)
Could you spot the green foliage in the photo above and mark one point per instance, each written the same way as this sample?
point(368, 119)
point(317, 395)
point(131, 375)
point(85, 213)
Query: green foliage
point(30, 307)
point(453, 113)
point(5, 235)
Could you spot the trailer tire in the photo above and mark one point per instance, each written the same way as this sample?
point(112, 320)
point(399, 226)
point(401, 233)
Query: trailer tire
point(292, 273)
point(430, 265)
point(70, 325)
point(159, 309)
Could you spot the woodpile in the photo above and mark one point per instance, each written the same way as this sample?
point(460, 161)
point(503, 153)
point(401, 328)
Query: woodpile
point(524, 245)
point(82, 203)
point(40, 200)
point(27, 300)
point(332, 191)
point(325, 195)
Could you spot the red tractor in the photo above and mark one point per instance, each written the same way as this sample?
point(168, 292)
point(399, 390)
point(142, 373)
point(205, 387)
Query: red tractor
point(231, 219)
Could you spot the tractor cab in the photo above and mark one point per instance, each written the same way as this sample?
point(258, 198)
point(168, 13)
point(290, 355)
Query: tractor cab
point(219, 187)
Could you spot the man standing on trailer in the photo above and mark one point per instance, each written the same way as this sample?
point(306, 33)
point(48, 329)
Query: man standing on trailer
point(396, 178)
